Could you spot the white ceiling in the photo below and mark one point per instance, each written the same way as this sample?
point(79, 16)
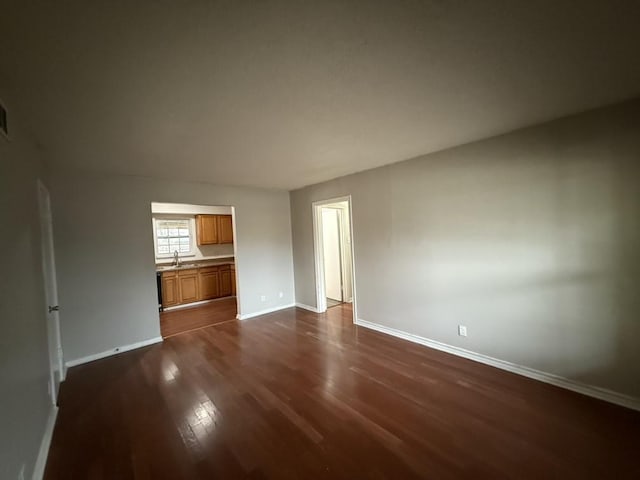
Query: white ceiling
point(283, 94)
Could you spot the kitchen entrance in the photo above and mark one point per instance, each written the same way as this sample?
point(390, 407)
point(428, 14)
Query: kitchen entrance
point(194, 251)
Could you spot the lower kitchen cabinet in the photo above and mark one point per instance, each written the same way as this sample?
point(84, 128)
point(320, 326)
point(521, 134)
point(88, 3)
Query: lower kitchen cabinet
point(188, 282)
point(170, 295)
point(225, 281)
point(209, 283)
point(195, 284)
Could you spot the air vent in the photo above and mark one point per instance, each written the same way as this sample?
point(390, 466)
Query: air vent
point(4, 127)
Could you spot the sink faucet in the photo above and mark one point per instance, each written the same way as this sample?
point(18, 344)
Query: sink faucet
point(176, 258)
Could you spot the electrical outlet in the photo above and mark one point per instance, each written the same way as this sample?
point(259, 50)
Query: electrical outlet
point(462, 330)
point(281, 294)
point(263, 298)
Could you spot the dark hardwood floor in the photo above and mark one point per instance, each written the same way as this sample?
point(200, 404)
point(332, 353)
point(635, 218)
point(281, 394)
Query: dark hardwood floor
point(183, 320)
point(295, 395)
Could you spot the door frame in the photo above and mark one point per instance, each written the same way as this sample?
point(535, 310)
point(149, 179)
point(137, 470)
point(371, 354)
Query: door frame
point(236, 267)
point(49, 279)
point(321, 297)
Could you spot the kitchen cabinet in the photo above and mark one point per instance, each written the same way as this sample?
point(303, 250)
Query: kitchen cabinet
point(207, 229)
point(180, 286)
point(188, 285)
point(170, 294)
point(196, 284)
point(225, 281)
point(209, 283)
point(214, 229)
point(225, 229)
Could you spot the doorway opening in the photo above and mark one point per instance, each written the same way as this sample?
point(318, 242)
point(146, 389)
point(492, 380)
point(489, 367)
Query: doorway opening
point(194, 249)
point(333, 245)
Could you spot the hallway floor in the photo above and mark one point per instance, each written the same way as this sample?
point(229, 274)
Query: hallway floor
point(332, 303)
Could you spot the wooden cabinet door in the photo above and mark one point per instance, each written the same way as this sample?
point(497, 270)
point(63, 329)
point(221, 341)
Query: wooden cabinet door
point(209, 288)
point(170, 295)
point(207, 229)
point(188, 281)
point(225, 281)
point(225, 229)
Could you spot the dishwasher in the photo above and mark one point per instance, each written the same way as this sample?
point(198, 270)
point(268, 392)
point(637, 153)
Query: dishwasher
point(159, 287)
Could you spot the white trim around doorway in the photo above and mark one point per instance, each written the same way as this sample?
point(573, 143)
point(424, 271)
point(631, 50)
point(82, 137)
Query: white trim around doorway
point(321, 299)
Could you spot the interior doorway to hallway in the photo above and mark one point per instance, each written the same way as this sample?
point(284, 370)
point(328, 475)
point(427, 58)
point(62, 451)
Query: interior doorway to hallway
point(333, 253)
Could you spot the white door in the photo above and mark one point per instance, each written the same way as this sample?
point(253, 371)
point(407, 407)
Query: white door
point(345, 244)
point(332, 253)
point(51, 292)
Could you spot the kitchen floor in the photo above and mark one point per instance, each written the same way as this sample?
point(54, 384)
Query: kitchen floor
point(174, 322)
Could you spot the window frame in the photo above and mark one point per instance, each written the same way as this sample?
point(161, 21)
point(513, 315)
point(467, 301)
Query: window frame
point(190, 226)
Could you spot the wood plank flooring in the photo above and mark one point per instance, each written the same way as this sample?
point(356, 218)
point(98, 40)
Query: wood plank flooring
point(332, 303)
point(295, 395)
point(182, 320)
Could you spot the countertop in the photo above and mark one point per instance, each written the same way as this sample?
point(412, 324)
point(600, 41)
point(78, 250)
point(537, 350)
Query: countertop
point(199, 264)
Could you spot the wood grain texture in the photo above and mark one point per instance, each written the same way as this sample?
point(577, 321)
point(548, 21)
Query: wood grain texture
point(173, 322)
point(170, 290)
point(209, 283)
point(225, 229)
point(296, 395)
point(188, 286)
point(206, 229)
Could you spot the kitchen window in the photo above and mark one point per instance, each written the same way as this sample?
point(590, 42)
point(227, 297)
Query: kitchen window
point(173, 235)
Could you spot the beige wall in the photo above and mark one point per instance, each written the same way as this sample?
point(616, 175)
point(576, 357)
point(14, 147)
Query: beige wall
point(24, 359)
point(531, 240)
point(106, 262)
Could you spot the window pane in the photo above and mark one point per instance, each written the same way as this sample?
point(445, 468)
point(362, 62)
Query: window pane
point(173, 234)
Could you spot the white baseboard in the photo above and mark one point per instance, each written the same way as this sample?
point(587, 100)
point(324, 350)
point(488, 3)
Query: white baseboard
point(43, 453)
point(585, 389)
point(264, 312)
point(113, 351)
point(307, 307)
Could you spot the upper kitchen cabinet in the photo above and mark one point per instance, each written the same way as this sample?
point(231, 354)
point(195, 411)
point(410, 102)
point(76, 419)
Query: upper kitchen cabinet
point(207, 229)
point(214, 229)
point(225, 229)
